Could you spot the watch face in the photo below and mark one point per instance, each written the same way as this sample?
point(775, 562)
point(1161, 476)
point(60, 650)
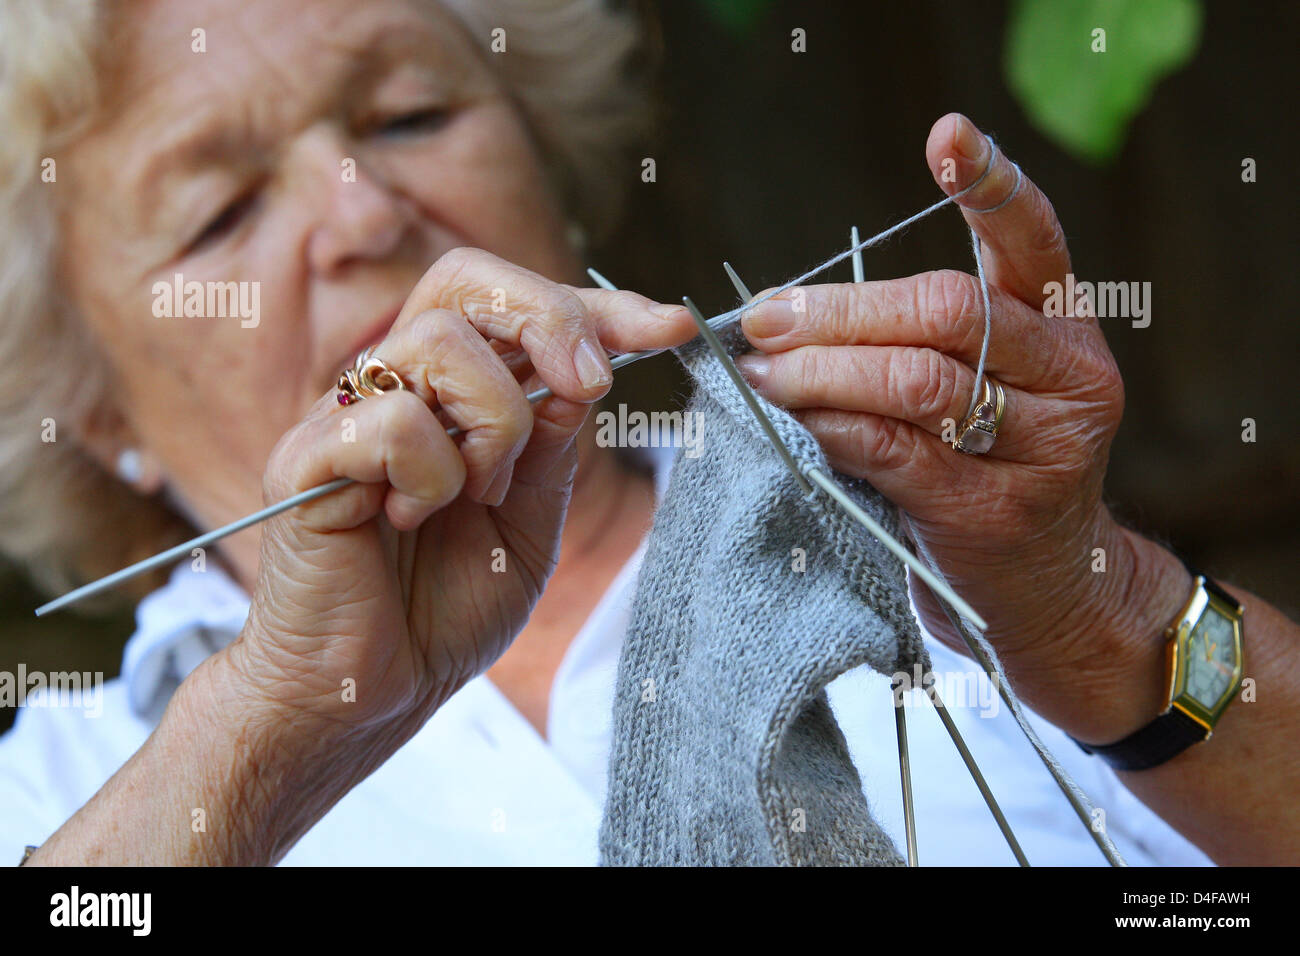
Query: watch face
point(1211, 659)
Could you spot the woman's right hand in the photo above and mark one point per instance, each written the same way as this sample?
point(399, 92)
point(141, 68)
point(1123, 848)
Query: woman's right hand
point(375, 603)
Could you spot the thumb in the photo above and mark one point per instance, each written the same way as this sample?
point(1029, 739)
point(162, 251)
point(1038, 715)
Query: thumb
point(1015, 222)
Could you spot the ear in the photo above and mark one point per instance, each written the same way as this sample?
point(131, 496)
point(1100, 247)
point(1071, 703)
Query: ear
point(111, 442)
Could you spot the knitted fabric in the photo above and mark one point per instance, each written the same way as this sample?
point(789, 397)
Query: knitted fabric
point(725, 750)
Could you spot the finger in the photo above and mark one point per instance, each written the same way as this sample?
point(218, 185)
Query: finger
point(1024, 246)
point(902, 461)
point(917, 385)
point(547, 320)
point(629, 322)
point(624, 321)
point(540, 488)
point(939, 310)
point(556, 423)
point(391, 444)
point(447, 363)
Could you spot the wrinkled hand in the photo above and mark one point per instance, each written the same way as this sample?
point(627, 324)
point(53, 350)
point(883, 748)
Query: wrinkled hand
point(882, 372)
point(415, 579)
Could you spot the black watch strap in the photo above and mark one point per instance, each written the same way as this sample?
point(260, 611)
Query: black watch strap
point(1169, 734)
point(1163, 739)
point(1213, 587)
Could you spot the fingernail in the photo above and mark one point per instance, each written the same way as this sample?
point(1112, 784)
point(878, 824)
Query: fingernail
point(668, 311)
point(496, 491)
point(592, 366)
point(754, 368)
point(774, 317)
point(970, 143)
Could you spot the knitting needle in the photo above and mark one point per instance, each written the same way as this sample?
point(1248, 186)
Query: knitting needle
point(900, 714)
point(974, 769)
point(832, 488)
point(1071, 797)
point(311, 494)
point(601, 281)
point(905, 772)
point(202, 541)
point(764, 422)
point(976, 650)
point(720, 353)
point(900, 718)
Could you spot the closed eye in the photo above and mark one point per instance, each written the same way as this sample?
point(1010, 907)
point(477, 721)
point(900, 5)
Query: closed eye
point(419, 121)
point(224, 222)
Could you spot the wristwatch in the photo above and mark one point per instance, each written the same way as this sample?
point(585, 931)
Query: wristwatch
point(1205, 664)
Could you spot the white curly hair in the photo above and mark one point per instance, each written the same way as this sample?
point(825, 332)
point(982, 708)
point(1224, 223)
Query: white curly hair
point(572, 71)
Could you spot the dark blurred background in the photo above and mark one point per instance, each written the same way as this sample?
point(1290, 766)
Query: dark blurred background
point(765, 157)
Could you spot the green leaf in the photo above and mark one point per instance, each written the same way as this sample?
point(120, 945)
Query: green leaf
point(738, 16)
point(1084, 100)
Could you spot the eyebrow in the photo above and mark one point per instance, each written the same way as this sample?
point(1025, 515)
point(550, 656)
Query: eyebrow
point(201, 143)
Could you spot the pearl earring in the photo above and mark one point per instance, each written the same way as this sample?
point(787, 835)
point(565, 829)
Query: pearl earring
point(128, 466)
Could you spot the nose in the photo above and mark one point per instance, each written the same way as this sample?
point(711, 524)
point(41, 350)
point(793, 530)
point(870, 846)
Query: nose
point(357, 215)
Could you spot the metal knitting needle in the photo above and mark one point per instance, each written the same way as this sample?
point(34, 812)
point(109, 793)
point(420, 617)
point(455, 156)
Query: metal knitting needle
point(976, 650)
point(900, 719)
point(905, 772)
point(832, 488)
point(601, 281)
point(202, 541)
point(185, 549)
point(311, 494)
point(1080, 810)
point(720, 353)
point(974, 769)
point(915, 563)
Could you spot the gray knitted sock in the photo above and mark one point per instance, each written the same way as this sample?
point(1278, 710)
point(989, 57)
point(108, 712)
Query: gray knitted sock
point(724, 747)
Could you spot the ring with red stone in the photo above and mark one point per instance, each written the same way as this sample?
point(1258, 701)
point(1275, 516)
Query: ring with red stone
point(369, 376)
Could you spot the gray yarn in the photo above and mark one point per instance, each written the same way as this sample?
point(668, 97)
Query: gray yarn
point(724, 749)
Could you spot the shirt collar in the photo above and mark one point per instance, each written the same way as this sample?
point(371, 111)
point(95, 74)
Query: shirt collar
point(196, 613)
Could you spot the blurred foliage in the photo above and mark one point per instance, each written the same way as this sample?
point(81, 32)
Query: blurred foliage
point(738, 16)
point(1081, 99)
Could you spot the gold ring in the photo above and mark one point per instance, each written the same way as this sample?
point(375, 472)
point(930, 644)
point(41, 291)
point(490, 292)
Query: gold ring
point(980, 430)
point(369, 376)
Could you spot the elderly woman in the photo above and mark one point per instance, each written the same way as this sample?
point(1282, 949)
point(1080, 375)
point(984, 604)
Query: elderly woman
point(418, 668)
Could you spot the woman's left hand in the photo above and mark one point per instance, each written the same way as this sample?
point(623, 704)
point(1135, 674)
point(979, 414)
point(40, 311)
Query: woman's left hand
point(883, 372)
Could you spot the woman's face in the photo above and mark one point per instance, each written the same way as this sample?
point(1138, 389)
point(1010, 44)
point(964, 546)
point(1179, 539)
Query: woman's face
point(320, 155)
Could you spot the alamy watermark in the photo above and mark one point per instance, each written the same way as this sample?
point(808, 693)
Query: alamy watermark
point(624, 429)
point(25, 688)
point(968, 689)
point(131, 911)
point(1105, 300)
point(208, 300)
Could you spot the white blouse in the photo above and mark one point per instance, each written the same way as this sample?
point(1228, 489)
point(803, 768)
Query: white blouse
point(478, 786)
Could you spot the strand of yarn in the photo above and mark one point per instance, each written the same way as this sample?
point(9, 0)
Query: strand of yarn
point(982, 650)
point(984, 290)
point(727, 318)
point(988, 324)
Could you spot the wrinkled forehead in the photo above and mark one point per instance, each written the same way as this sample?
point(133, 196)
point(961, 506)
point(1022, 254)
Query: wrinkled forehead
point(184, 82)
point(157, 49)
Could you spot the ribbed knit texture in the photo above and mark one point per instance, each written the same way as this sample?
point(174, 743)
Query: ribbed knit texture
point(725, 750)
